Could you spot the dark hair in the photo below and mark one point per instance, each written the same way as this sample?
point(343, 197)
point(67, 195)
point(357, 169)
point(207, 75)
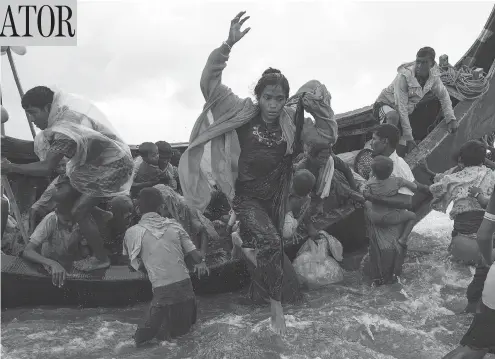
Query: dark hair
point(150, 200)
point(388, 132)
point(38, 96)
point(382, 167)
point(426, 52)
point(164, 147)
point(472, 153)
point(272, 77)
point(303, 182)
point(145, 147)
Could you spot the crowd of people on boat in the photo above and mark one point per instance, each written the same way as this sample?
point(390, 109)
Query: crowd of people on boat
point(272, 178)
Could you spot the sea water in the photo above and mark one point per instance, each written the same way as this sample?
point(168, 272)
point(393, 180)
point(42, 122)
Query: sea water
point(414, 319)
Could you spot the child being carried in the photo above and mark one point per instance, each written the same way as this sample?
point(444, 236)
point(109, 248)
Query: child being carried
point(383, 184)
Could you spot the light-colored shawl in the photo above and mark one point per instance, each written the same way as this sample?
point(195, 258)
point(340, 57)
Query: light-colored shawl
point(454, 187)
point(80, 120)
point(225, 148)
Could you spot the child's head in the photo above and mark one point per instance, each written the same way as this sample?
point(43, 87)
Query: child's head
point(382, 167)
point(303, 182)
point(149, 152)
point(472, 153)
point(65, 195)
point(165, 152)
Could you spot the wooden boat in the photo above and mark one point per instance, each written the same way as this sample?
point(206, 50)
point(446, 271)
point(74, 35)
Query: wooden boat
point(26, 284)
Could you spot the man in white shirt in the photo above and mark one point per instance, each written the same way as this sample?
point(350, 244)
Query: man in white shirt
point(385, 141)
point(159, 246)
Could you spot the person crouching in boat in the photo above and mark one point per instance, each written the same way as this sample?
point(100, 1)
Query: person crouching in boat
point(252, 149)
point(57, 240)
point(455, 185)
point(327, 201)
point(479, 339)
point(198, 227)
point(158, 245)
point(412, 82)
point(100, 164)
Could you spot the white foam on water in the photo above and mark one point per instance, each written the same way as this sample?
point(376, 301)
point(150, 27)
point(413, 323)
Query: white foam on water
point(229, 319)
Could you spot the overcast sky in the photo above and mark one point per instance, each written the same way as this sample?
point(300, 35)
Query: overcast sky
point(141, 61)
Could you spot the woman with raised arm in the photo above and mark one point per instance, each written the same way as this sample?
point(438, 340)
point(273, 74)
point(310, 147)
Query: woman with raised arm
point(252, 149)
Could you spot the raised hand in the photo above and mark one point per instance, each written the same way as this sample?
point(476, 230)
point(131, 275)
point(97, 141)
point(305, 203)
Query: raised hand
point(235, 33)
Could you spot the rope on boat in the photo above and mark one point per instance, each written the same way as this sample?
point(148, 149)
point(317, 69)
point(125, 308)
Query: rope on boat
point(465, 81)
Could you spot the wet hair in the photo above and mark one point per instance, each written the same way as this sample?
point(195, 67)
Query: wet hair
point(150, 200)
point(303, 182)
point(426, 52)
point(389, 132)
point(272, 77)
point(164, 147)
point(472, 153)
point(382, 167)
point(146, 147)
point(38, 96)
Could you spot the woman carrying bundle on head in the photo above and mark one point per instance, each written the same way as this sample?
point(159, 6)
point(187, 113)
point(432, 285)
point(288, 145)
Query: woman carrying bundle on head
point(253, 145)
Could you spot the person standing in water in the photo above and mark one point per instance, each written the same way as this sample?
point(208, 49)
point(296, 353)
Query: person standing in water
point(100, 164)
point(253, 146)
point(479, 338)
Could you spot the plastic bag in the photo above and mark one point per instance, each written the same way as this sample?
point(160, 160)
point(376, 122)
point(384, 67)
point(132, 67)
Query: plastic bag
point(314, 266)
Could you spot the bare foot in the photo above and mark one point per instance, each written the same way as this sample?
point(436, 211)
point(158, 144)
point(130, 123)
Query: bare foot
point(278, 320)
point(91, 263)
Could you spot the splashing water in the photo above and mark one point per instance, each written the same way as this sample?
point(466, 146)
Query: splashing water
point(412, 319)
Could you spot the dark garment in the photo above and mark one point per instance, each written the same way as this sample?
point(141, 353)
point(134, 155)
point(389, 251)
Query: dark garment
point(261, 199)
point(475, 288)
point(481, 333)
point(261, 150)
point(384, 260)
point(467, 222)
point(172, 313)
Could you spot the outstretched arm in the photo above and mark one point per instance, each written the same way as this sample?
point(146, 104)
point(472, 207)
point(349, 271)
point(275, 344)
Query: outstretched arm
point(211, 77)
point(401, 201)
point(37, 169)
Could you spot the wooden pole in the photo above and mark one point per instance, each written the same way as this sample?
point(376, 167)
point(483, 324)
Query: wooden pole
point(19, 87)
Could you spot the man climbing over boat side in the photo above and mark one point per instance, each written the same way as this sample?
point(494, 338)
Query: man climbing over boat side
point(57, 241)
point(252, 150)
point(158, 246)
point(479, 338)
point(100, 164)
point(399, 99)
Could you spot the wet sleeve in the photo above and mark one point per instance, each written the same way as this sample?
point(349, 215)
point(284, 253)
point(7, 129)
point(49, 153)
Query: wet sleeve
point(443, 96)
point(401, 100)
point(133, 239)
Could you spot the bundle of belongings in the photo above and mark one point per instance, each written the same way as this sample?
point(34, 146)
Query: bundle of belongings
point(313, 264)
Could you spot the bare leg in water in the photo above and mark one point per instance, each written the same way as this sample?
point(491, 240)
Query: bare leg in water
point(81, 214)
